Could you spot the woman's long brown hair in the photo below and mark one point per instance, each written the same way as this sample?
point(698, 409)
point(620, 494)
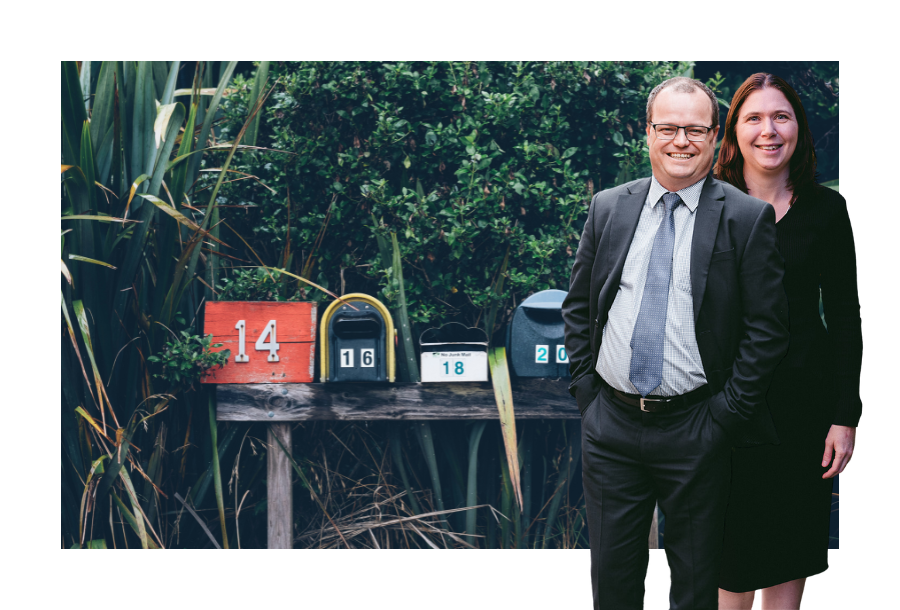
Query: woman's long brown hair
point(730, 165)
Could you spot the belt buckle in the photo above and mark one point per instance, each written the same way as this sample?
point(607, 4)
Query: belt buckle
point(650, 401)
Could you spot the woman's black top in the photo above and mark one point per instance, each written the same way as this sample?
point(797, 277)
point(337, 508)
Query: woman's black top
point(816, 242)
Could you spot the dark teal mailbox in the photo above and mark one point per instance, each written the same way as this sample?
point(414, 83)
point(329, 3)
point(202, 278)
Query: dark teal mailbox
point(535, 339)
point(357, 340)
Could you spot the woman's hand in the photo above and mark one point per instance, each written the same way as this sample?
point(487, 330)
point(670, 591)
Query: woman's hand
point(839, 442)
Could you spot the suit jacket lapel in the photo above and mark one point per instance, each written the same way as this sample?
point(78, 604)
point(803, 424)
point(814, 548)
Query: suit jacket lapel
point(706, 225)
point(622, 227)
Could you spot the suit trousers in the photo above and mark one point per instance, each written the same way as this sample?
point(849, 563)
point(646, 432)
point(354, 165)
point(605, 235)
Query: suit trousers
point(630, 461)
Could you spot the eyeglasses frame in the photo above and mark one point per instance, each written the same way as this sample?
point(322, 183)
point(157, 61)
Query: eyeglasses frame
point(683, 127)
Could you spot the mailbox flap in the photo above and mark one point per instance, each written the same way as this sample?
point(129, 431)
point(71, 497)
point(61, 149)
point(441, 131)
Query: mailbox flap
point(454, 334)
point(545, 299)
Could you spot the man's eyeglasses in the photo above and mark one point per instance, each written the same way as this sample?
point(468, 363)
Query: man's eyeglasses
point(694, 133)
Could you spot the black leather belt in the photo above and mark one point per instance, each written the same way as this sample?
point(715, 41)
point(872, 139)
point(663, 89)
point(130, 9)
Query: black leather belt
point(657, 404)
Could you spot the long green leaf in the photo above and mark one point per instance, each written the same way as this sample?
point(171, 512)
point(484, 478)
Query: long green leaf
point(497, 289)
point(97, 464)
point(262, 75)
point(471, 489)
point(73, 114)
point(397, 455)
point(210, 115)
point(169, 92)
point(97, 218)
point(503, 398)
point(201, 487)
point(129, 518)
point(426, 442)
point(506, 503)
point(76, 257)
point(170, 235)
point(217, 475)
point(178, 216)
point(136, 244)
point(126, 78)
point(142, 141)
point(138, 515)
point(81, 316)
point(102, 126)
point(84, 79)
point(65, 311)
point(567, 466)
point(160, 71)
point(408, 352)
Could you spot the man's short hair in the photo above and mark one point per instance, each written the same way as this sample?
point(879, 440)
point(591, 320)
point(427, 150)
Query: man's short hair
point(683, 84)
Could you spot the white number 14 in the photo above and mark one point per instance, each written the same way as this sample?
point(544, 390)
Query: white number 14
point(262, 344)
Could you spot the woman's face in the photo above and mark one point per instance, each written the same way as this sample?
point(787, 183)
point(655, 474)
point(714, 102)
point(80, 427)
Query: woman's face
point(766, 131)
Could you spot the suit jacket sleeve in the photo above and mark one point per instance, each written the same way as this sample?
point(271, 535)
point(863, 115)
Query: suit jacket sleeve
point(576, 312)
point(765, 322)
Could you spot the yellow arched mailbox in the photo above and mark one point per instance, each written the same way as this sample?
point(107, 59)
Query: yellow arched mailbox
point(357, 340)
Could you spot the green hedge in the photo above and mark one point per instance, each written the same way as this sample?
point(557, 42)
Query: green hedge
point(464, 161)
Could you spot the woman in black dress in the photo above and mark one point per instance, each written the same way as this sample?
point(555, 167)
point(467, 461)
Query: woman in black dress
point(776, 530)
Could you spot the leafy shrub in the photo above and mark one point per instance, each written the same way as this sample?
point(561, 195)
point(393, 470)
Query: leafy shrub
point(257, 285)
point(187, 359)
point(464, 161)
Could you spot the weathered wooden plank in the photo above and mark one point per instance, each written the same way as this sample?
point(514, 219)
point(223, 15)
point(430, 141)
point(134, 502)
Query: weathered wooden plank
point(280, 499)
point(532, 398)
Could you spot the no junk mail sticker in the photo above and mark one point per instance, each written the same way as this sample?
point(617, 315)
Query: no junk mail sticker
point(269, 342)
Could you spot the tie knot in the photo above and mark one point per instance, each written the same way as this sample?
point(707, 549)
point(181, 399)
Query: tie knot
point(671, 200)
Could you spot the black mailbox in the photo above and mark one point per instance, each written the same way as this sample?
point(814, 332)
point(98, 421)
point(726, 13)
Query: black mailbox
point(535, 339)
point(454, 352)
point(357, 340)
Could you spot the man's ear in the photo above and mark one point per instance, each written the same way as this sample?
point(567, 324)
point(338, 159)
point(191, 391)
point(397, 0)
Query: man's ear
point(649, 129)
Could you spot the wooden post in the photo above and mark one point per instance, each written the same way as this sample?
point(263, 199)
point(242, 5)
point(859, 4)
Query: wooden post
point(654, 529)
point(280, 498)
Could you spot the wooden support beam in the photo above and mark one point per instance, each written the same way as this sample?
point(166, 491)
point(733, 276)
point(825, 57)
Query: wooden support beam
point(533, 399)
point(280, 498)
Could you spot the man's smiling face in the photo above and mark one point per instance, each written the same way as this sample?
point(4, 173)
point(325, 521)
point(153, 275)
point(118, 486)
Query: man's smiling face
point(680, 163)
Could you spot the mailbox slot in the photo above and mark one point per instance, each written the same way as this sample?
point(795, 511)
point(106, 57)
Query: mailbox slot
point(365, 326)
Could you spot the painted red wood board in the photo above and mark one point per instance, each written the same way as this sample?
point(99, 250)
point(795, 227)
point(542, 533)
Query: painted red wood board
point(295, 335)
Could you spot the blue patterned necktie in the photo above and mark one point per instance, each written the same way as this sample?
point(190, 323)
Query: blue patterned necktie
point(650, 328)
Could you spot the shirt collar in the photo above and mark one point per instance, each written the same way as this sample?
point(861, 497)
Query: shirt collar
point(690, 195)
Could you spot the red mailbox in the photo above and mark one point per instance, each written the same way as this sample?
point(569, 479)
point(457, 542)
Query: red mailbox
point(269, 342)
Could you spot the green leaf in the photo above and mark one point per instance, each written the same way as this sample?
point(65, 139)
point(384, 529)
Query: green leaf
point(210, 114)
point(259, 84)
point(73, 114)
point(503, 397)
point(75, 257)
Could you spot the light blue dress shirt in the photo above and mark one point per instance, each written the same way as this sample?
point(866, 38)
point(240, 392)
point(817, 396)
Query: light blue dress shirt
point(682, 369)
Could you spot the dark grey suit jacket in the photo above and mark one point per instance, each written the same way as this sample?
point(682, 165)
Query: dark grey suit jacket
point(740, 308)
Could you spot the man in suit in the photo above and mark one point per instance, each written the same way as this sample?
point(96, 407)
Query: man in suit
point(675, 320)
